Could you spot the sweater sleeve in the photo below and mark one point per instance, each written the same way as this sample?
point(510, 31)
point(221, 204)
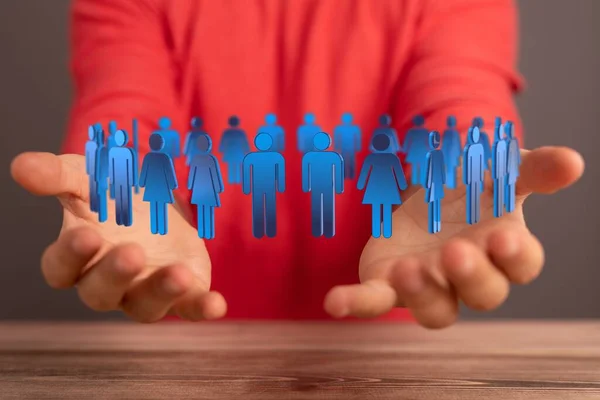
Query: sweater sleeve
point(122, 68)
point(463, 63)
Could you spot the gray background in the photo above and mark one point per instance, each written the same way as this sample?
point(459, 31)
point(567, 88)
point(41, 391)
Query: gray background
point(560, 57)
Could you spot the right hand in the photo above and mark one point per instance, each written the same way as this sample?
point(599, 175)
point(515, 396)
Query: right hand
point(119, 268)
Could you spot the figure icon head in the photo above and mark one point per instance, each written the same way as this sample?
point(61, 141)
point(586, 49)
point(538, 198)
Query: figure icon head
point(434, 139)
point(270, 119)
point(263, 141)
point(309, 118)
point(204, 144)
point(478, 122)
point(474, 135)
point(164, 123)
point(321, 141)
point(347, 118)
point(509, 130)
point(381, 142)
point(157, 142)
point(418, 120)
point(451, 121)
point(92, 132)
point(385, 120)
point(121, 138)
point(196, 123)
point(112, 127)
point(234, 121)
point(498, 129)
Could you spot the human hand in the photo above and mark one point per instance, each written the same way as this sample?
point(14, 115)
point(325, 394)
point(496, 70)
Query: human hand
point(475, 264)
point(112, 267)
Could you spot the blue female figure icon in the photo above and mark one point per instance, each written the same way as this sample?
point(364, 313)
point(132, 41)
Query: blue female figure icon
point(234, 147)
point(158, 179)
point(206, 183)
point(452, 148)
point(416, 147)
point(513, 163)
point(436, 178)
point(122, 179)
point(384, 178)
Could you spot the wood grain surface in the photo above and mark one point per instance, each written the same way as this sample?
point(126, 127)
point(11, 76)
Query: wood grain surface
point(494, 360)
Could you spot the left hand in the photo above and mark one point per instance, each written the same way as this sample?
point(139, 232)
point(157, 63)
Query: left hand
point(476, 264)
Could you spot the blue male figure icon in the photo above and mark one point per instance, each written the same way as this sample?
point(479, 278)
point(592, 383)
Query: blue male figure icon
point(484, 140)
point(91, 167)
point(102, 174)
point(190, 149)
point(158, 179)
point(322, 174)
point(513, 163)
point(473, 174)
point(264, 175)
point(171, 137)
point(307, 132)
point(416, 147)
point(384, 178)
point(499, 168)
point(234, 147)
point(436, 178)
point(347, 142)
point(385, 127)
point(206, 184)
point(110, 143)
point(276, 132)
point(452, 149)
point(121, 175)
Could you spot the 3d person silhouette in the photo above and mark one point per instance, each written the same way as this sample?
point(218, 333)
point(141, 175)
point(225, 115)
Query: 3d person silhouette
point(190, 149)
point(121, 175)
point(383, 177)
point(452, 149)
point(171, 137)
point(110, 143)
point(263, 176)
point(322, 176)
point(484, 140)
point(473, 174)
point(306, 133)
point(102, 174)
point(158, 179)
point(234, 147)
point(276, 132)
point(206, 184)
point(347, 142)
point(416, 146)
point(385, 127)
point(91, 167)
point(499, 168)
point(436, 178)
point(513, 163)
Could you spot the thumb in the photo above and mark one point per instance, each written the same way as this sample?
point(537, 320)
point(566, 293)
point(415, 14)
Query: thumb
point(46, 174)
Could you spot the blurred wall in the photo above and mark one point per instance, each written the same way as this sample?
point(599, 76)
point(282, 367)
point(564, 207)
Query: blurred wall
point(560, 57)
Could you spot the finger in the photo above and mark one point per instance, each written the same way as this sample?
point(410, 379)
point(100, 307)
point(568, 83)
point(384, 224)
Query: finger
point(517, 253)
point(548, 169)
point(365, 300)
point(63, 261)
point(46, 174)
point(477, 282)
point(432, 305)
point(103, 285)
point(200, 305)
point(151, 298)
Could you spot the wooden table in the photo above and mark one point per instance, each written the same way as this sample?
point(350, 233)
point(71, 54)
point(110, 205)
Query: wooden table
point(500, 360)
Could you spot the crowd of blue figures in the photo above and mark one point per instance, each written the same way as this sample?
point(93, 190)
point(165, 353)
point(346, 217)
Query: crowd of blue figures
point(112, 167)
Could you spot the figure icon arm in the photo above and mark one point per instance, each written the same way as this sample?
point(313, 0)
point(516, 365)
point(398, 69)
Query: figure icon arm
point(395, 141)
point(247, 175)
point(280, 174)
point(131, 168)
point(357, 140)
point(466, 168)
point(281, 139)
point(111, 168)
point(429, 181)
point(339, 174)
point(170, 173)
point(400, 177)
point(306, 174)
point(219, 178)
point(364, 174)
point(144, 172)
point(186, 145)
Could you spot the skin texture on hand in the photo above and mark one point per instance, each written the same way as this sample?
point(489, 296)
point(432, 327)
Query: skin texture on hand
point(474, 264)
point(114, 268)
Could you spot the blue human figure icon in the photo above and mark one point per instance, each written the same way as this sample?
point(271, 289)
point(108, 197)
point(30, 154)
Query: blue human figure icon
point(322, 176)
point(473, 174)
point(276, 131)
point(436, 179)
point(110, 143)
point(484, 140)
point(102, 174)
point(206, 183)
point(91, 167)
point(263, 177)
point(347, 140)
point(170, 136)
point(383, 177)
point(452, 148)
point(499, 168)
point(158, 180)
point(234, 147)
point(190, 149)
point(513, 163)
point(121, 175)
point(416, 147)
point(385, 127)
point(306, 132)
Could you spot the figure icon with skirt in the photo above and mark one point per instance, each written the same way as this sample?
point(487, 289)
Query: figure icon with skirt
point(206, 184)
point(158, 179)
point(383, 177)
point(436, 179)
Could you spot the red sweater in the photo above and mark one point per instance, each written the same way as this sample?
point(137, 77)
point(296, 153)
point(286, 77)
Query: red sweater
point(148, 58)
